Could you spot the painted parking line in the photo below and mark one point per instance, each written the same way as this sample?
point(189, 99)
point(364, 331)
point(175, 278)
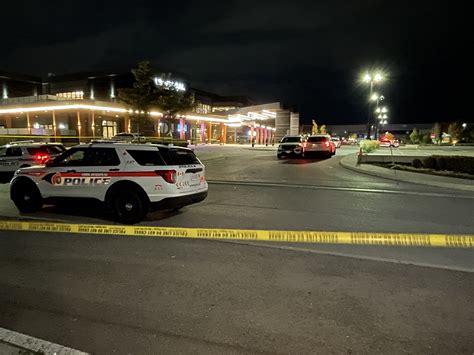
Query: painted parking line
point(35, 345)
point(317, 237)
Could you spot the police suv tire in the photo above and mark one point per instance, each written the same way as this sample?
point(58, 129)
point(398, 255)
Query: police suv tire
point(128, 207)
point(26, 197)
point(279, 156)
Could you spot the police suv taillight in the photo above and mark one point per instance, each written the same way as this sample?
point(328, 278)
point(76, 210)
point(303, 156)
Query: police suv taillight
point(168, 175)
point(41, 158)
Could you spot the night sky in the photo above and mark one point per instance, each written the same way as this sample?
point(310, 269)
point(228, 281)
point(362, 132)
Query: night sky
point(309, 54)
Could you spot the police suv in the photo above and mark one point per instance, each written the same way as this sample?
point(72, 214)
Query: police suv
point(130, 179)
point(290, 146)
point(21, 154)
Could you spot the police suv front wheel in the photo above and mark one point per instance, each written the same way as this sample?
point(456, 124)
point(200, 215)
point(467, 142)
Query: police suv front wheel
point(128, 207)
point(26, 197)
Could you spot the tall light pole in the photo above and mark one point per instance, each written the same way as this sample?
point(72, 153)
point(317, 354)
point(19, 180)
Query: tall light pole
point(381, 111)
point(371, 79)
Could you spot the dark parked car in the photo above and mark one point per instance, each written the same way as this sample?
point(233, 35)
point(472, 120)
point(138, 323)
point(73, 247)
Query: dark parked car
point(290, 146)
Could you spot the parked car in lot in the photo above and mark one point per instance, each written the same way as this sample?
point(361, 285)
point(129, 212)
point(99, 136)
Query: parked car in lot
point(319, 144)
point(22, 154)
point(389, 143)
point(290, 146)
point(337, 141)
point(130, 179)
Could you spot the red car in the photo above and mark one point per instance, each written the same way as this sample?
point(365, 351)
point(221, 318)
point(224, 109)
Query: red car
point(387, 143)
point(319, 144)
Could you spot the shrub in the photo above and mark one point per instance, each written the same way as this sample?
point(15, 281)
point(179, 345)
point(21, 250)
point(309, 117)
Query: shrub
point(427, 139)
point(417, 163)
point(458, 164)
point(429, 163)
point(369, 146)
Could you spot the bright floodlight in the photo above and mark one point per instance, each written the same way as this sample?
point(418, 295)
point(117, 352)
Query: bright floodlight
point(385, 116)
point(378, 77)
point(367, 78)
point(464, 125)
point(374, 96)
point(384, 110)
point(378, 110)
point(380, 117)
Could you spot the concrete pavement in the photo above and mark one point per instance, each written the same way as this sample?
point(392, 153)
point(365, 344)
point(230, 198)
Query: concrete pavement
point(145, 296)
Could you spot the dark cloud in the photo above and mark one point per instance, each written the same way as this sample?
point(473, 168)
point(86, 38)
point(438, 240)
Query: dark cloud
point(307, 53)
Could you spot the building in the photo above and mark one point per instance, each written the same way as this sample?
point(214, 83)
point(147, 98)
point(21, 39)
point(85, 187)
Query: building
point(84, 106)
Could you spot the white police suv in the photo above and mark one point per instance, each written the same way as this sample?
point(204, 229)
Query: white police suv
point(21, 154)
point(130, 179)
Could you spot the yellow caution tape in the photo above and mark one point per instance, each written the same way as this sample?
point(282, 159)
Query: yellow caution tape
point(354, 238)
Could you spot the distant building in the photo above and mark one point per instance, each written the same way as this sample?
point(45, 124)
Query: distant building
point(401, 131)
point(85, 105)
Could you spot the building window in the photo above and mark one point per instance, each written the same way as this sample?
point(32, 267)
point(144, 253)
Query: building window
point(71, 95)
point(109, 129)
point(203, 108)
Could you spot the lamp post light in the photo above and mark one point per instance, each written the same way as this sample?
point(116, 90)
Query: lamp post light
point(371, 79)
point(382, 117)
point(377, 98)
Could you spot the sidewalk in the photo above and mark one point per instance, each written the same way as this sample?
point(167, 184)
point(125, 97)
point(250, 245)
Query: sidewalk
point(14, 343)
point(350, 162)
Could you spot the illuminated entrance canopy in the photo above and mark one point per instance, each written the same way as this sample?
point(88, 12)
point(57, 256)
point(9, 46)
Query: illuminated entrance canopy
point(168, 84)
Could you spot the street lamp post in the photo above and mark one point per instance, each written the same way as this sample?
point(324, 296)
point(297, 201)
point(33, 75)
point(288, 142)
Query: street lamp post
point(371, 80)
point(381, 111)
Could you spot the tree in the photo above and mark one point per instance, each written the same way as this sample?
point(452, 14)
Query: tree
point(427, 139)
point(146, 95)
point(389, 136)
point(322, 129)
point(314, 128)
point(436, 130)
point(455, 131)
point(142, 97)
point(414, 136)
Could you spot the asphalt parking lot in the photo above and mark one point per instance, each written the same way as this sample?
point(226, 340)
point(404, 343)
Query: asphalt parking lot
point(106, 294)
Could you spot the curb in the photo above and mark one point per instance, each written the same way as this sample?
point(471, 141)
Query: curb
point(211, 158)
point(405, 176)
point(14, 341)
point(261, 150)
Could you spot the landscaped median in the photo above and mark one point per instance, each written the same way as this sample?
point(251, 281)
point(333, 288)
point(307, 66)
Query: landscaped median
point(441, 165)
point(400, 168)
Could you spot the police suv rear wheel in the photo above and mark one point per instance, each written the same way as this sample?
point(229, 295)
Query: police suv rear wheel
point(26, 197)
point(128, 207)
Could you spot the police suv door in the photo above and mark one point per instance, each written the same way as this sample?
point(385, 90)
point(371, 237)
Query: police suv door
point(81, 172)
point(10, 159)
